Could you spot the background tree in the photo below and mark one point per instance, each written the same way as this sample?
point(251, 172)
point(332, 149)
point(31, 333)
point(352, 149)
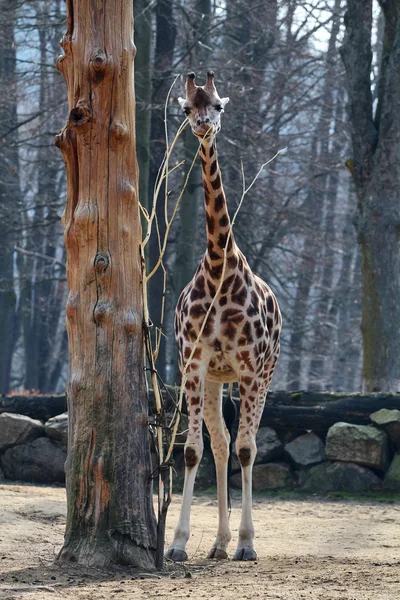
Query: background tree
point(375, 134)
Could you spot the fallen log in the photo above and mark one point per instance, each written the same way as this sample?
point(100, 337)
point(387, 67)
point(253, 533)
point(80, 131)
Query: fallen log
point(41, 406)
point(283, 410)
point(354, 408)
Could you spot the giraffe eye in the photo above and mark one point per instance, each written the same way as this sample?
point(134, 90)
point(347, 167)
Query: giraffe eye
point(218, 107)
point(186, 110)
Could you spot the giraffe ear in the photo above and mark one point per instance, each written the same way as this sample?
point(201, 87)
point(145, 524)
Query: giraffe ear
point(224, 101)
point(182, 103)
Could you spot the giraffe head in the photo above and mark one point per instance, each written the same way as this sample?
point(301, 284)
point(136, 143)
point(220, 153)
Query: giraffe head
point(203, 106)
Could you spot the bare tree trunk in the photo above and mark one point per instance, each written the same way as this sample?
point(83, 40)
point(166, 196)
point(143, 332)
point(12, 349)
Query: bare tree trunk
point(375, 169)
point(9, 192)
point(110, 514)
point(163, 57)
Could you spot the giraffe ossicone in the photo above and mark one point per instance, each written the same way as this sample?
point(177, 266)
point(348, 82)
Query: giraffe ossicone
point(239, 343)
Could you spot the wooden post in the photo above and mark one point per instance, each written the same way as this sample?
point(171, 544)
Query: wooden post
point(110, 513)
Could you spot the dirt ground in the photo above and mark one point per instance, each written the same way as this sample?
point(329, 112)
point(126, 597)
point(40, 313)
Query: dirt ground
point(315, 549)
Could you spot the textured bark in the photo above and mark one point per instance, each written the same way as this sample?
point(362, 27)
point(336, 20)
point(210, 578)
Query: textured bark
point(376, 147)
point(110, 515)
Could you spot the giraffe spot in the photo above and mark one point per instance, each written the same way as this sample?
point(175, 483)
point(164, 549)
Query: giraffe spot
point(223, 301)
point(270, 304)
point(276, 317)
point(217, 345)
point(196, 379)
point(224, 221)
point(244, 456)
point(227, 283)
point(232, 262)
point(197, 311)
point(212, 255)
point(247, 405)
point(195, 400)
point(206, 193)
point(240, 264)
point(237, 284)
point(191, 458)
point(216, 271)
point(223, 241)
point(232, 315)
point(246, 380)
point(210, 224)
point(241, 297)
point(253, 309)
point(203, 163)
point(187, 352)
point(269, 324)
point(212, 150)
point(190, 385)
point(197, 411)
point(259, 330)
point(203, 150)
point(213, 168)
point(216, 184)
point(211, 288)
point(197, 354)
point(246, 331)
point(242, 341)
point(275, 334)
point(247, 277)
point(248, 419)
point(219, 202)
point(242, 390)
point(254, 387)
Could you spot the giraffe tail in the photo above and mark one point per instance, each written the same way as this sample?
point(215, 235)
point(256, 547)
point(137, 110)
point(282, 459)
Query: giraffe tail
point(229, 412)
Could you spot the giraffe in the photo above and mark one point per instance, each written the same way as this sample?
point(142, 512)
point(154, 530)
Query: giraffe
point(240, 341)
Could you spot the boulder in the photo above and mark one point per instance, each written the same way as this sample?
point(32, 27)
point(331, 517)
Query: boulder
point(40, 461)
point(361, 444)
point(18, 429)
point(392, 478)
point(269, 446)
point(306, 450)
point(57, 428)
point(339, 476)
point(270, 476)
point(389, 421)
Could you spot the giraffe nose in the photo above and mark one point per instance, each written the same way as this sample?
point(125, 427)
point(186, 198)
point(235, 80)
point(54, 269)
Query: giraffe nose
point(203, 120)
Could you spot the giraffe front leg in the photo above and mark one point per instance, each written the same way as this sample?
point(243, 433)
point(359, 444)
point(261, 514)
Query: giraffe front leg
point(220, 446)
point(193, 452)
point(252, 398)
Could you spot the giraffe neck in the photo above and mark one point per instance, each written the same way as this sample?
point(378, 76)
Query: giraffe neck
point(217, 217)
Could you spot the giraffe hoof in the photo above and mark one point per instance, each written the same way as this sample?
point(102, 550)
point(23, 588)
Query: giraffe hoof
point(176, 554)
point(217, 554)
point(245, 554)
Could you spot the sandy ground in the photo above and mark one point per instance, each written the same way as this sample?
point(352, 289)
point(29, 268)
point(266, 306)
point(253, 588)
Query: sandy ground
point(311, 549)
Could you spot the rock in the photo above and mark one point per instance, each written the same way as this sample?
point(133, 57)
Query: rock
point(306, 450)
point(361, 444)
point(18, 429)
point(339, 476)
point(389, 421)
point(270, 476)
point(392, 478)
point(2, 478)
point(57, 428)
point(40, 461)
point(269, 446)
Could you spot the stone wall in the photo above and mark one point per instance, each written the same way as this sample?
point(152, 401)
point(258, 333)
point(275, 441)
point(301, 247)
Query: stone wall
point(352, 458)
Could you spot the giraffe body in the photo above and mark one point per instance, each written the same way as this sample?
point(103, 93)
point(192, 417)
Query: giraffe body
point(240, 342)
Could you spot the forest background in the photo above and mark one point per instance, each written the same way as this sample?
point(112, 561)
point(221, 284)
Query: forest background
point(279, 62)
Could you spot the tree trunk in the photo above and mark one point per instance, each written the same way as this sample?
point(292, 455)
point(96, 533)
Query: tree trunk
point(163, 57)
point(9, 192)
point(375, 169)
point(110, 514)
